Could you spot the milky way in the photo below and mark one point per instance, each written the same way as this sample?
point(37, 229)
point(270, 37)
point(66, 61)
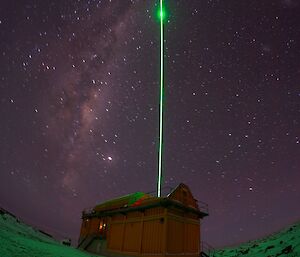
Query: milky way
point(79, 97)
point(84, 87)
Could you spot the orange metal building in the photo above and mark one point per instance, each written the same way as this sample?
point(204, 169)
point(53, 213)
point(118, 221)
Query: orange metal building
point(143, 225)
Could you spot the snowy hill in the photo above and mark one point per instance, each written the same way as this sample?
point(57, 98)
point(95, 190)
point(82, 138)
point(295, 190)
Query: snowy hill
point(283, 243)
point(20, 240)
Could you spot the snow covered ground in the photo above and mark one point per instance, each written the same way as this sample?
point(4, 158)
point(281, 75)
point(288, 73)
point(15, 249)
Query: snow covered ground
point(285, 243)
point(20, 240)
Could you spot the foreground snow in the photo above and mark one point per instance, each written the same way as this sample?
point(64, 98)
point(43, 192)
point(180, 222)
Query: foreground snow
point(282, 244)
point(20, 240)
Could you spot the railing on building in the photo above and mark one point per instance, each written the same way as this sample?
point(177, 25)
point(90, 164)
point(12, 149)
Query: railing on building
point(207, 249)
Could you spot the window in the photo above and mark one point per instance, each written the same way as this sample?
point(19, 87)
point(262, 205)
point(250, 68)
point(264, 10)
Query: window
point(101, 225)
point(102, 228)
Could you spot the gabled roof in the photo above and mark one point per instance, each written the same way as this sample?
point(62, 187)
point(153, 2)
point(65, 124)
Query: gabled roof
point(183, 194)
point(180, 197)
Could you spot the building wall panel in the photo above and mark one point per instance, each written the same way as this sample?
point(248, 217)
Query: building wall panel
point(192, 237)
point(135, 214)
point(94, 226)
point(175, 236)
point(118, 217)
point(154, 211)
point(152, 240)
point(115, 238)
point(132, 237)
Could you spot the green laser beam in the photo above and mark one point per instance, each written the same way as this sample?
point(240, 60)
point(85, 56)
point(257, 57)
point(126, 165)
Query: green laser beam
point(160, 149)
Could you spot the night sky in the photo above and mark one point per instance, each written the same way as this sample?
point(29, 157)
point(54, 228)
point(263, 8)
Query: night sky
point(79, 94)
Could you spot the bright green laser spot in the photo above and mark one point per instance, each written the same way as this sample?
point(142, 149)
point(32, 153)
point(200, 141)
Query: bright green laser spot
point(160, 149)
point(162, 14)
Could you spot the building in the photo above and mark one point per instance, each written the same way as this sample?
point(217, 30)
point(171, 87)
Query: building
point(143, 225)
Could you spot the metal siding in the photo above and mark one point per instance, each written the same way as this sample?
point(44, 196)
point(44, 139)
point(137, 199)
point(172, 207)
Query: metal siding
point(199, 243)
point(116, 236)
point(118, 217)
point(175, 243)
point(135, 214)
point(191, 238)
point(132, 237)
point(152, 242)
point(94, 226)
point(154, 211)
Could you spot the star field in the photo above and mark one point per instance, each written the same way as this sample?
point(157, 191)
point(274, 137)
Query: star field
point(79, 94)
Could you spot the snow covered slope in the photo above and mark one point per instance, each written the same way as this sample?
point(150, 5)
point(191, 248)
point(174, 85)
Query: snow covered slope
point(20, 240)
point(284, 244)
